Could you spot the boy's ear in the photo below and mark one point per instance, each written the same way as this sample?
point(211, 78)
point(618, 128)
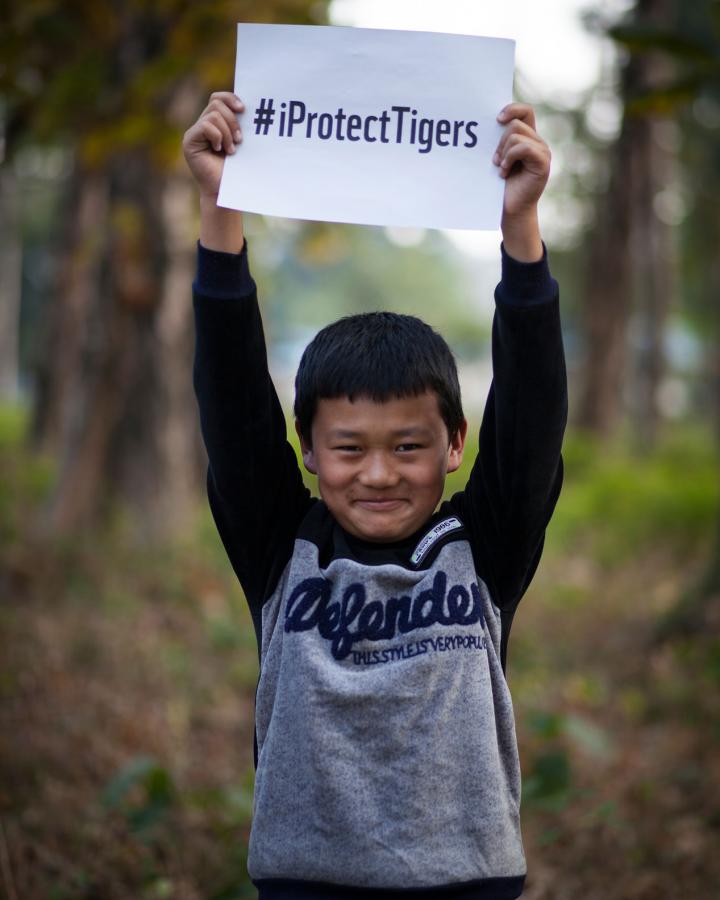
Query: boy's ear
point(307, 451)
point(457, 446)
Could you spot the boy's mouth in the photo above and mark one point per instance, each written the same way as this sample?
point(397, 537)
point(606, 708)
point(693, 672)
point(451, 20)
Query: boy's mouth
point(385, 504)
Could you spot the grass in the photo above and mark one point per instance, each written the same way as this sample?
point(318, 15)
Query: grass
point(626, 504)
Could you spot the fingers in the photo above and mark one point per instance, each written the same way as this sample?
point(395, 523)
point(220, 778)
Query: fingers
point(522, 111)
point(534, 156)
point(507, 149)
point(519, 141)
point(223, 134)
point(515, 131)
point(215, 135)
point(232, 100)
point(218, 123)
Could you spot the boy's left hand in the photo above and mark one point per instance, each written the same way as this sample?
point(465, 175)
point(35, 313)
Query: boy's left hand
point(523, 158)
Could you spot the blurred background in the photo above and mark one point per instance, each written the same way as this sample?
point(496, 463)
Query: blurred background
point(127, 657)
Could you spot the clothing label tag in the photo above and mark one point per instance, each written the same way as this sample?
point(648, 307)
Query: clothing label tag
point(433, 536)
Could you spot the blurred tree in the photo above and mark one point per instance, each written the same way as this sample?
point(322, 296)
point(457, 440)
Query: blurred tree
point(10, 282)
point(324, 271)
point(691, 38)
point(118, 83)
point(630, 263)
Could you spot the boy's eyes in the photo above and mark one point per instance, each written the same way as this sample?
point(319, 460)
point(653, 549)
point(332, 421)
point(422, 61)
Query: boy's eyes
point(354, 448)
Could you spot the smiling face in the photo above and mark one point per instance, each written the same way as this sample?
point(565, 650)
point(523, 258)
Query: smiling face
point(381, 467)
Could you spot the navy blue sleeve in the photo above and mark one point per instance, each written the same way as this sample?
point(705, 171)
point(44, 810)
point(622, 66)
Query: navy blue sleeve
point(255, 487)
point(517, 475)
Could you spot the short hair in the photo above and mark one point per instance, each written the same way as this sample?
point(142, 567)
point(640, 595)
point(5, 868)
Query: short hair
point(378, 355)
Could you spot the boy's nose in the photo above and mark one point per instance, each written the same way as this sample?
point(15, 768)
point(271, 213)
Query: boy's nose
point(378, 472)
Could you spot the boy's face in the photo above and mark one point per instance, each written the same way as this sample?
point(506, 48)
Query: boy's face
point(381, 467)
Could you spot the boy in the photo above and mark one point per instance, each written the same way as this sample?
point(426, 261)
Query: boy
point(385, 751)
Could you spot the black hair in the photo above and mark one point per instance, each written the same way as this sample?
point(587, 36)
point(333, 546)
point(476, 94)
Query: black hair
point(379, 355)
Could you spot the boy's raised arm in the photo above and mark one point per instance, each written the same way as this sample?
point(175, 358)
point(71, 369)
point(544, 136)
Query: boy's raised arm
point(516, 478)
point(255, 487)
point(205, 145)
point(523, 159)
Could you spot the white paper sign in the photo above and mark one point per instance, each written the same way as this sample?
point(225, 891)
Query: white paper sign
point(369, 126)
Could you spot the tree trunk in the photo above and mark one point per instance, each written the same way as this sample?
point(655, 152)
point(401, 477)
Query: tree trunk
point(607, 296)
point(654, 253)
point(124, 414)
point(59, 374)
point(166, 496)
point(10, 282)
point(630, 273)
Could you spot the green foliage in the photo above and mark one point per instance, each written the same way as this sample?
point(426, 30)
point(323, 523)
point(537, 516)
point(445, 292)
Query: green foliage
point(682, 46)
point(548, 783)
point(587, 736)
point(694, 51)
point(143, 792)
point(626, 503)
point(713, 663)
point(232, 804)
point(105, 78)
point(556, 738)
point(13, 425)
point(237, 892)
point(664, 101)
point(23, 480)
point(226, 633)
point(584, 734)
point(320, 272)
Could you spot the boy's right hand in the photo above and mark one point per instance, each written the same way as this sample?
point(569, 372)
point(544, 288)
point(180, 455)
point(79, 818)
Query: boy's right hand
point(215, 134)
